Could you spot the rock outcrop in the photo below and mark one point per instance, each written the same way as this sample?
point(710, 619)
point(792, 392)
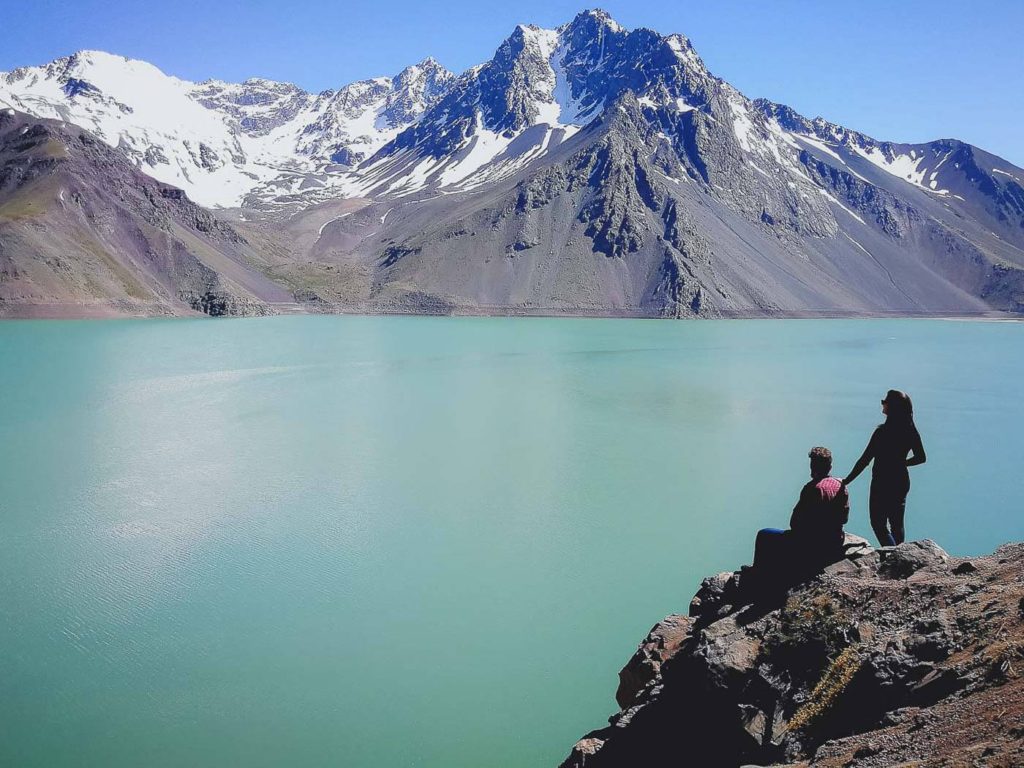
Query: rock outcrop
point(900, 656)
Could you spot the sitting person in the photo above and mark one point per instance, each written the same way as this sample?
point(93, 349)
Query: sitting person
point(815, 535)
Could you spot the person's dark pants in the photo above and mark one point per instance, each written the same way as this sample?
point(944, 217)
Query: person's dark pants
point(888, 505)
point(771, 548)
point(773, 555)
point(782, 559)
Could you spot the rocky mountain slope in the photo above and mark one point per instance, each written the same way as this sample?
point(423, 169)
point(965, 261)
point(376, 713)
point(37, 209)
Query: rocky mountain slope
point(84, 233)
point(587, 169)
point(897, 657)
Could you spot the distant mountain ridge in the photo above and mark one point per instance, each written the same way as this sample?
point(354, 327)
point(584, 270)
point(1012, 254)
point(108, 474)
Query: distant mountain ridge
point(587, 169)
point(222, 141)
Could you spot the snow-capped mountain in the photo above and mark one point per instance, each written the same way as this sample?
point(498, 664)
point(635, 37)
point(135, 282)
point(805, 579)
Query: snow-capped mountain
point(540, 88)
point(584, 169)
point(221, 142)
point(590, 141)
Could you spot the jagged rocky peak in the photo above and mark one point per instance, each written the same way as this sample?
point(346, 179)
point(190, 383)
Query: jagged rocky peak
point(791, 120)
point(413, 90)
point(397, 100)
point(518, 81)
point(562, 78)
point(352, 123)
point(594, 20)
point(253, 92)
point(583, 66)
point(428, 77)
point(601, 60)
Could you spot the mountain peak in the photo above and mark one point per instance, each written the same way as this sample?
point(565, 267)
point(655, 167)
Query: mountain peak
point(93, 55)
point(428, 76)
point(429, 64)
point(598, 17)
point(108, 62)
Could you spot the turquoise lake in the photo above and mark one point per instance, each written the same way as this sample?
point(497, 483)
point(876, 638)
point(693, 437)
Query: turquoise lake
point(398, 541)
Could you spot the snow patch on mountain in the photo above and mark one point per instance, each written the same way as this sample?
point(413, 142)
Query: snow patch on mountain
point(742, 125)
point(1006, 173)
point(910, 167)
point(483, 147)
point(572, 112)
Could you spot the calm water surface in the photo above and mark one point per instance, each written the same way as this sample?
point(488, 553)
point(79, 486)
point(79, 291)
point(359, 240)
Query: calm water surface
point(428, 542)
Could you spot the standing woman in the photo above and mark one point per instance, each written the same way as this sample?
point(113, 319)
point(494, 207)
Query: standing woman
point(890, 478)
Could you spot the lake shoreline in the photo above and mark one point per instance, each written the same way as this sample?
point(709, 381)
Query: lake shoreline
point(102, 311)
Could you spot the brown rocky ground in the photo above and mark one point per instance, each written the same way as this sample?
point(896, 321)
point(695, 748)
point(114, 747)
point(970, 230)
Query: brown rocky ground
point(899, 657)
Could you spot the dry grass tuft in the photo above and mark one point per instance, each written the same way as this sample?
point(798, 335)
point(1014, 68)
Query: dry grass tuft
point(838, 675)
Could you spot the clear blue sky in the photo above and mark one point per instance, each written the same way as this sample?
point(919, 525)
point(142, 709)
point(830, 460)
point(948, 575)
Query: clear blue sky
point(912, 70)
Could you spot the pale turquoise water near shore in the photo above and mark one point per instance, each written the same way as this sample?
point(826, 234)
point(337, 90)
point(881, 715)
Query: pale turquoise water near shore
point(392, 542)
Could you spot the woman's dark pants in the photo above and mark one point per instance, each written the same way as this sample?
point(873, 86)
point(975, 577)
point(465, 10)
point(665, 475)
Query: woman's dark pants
point(888, 504)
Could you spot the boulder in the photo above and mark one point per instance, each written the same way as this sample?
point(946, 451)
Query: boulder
point(644, 668)
point(910, 557)
point(715, 594)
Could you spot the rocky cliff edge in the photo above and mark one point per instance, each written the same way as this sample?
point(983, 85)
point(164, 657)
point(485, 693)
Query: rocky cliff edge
point(893, 657)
